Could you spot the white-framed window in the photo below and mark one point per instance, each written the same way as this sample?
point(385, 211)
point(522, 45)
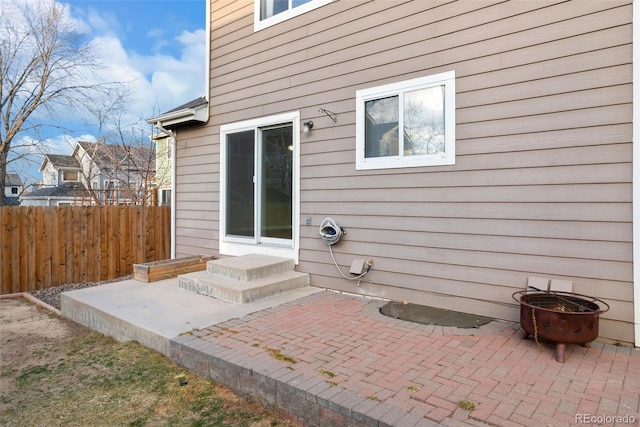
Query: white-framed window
point(165, 197)
point(259, 186)
point(406, 124)
point(271, 12)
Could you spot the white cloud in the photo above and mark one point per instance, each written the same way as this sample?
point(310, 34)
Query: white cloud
point(101, 22)
point(158, 81)
point(12, 11)
point(192, 37)
point(58, 144)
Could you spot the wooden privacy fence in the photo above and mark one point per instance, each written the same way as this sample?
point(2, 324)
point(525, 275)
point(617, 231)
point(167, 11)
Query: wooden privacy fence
point(41, 247)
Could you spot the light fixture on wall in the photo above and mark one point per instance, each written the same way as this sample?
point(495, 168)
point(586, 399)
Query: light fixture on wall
point(307, 126)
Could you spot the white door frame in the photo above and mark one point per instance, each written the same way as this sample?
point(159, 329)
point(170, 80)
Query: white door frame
point(230, 246)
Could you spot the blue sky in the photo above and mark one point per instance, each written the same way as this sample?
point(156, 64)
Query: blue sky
point(156, 45)
point(145, 29)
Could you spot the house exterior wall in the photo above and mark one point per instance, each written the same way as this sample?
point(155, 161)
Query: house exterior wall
point(36, 202)
point(12, 190)
point(163, 162)
point(542, 180)
point(163, 168)
point(50, 175)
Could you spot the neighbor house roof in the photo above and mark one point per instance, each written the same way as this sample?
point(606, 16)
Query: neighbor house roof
point(108, 156)
point(12, 180)
point(193, 112)
point(60, 161)
point(66, 190)
point(11, 201)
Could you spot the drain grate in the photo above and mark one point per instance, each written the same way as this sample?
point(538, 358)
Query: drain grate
point(433, 316)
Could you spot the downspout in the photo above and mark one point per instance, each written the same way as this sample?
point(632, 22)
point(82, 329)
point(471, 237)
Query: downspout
point(635, 76)
point(172, 147)
point(207, 57)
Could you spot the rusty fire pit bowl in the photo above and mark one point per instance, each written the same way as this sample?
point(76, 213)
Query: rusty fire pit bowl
point(560, 317)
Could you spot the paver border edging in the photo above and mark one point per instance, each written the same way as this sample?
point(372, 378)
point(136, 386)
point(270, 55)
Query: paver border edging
point(294, 394)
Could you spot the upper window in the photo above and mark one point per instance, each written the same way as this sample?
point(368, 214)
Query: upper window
point(411, 123)
point(270, 12)
point(70, 176)
point(165, 197)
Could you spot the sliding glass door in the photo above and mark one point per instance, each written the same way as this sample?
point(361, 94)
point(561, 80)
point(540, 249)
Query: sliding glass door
point(276, 182)
point(259, 185)
point(240, 218)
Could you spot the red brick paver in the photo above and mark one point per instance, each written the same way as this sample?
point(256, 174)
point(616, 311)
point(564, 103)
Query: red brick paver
point(342, 341)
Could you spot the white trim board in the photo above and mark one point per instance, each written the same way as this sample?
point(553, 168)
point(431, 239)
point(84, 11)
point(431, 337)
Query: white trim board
point(636, 170)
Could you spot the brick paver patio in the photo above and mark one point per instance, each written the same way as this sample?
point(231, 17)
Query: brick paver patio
point(333, 359)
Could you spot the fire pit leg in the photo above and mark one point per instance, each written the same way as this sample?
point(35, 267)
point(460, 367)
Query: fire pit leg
point(586, 345)
point(525, 334)
point(560, 347)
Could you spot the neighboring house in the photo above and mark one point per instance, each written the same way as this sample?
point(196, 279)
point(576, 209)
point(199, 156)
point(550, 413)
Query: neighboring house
point(163, 142)
point(466, 146)
point(61, 183)
point(13, 187)
point(192, 113)
point(95, 173)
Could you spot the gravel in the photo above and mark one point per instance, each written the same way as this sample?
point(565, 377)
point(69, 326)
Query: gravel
point(51, 296)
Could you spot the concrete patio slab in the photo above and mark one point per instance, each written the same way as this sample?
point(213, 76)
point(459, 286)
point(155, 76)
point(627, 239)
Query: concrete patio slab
point(153, 313)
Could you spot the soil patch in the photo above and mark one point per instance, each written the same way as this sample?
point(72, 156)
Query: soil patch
point(55, 372)
point(433, 316)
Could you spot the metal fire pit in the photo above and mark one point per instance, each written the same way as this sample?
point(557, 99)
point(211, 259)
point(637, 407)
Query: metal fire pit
point(560, 317)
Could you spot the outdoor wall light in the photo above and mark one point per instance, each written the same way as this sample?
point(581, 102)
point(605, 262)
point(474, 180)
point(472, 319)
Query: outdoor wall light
point(307, 126)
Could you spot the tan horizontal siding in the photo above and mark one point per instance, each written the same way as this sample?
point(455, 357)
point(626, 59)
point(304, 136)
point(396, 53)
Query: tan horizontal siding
point(569, 156)
point(595, 193)
point(613, 212)
point(551, 175)
point(555, 230)
point(558, 138)
point(542, 180)
point(197, 188)
point(366, 57)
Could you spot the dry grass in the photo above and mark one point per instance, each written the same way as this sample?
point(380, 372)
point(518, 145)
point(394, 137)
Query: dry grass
point(92, 380)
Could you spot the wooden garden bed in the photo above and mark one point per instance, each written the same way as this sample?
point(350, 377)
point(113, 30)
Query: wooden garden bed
point(165, 269)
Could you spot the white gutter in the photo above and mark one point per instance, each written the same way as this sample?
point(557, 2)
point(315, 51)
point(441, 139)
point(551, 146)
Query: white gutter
point(180, 114)
point(172, 147)
point(636, 169)
point(198, 114)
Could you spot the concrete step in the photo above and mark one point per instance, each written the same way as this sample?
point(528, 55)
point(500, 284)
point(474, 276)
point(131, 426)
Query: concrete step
point(243, 279)
point(250, 267)
point(239, 291)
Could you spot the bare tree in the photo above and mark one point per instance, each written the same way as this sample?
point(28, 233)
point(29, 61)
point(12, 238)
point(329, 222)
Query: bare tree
point(121, 166)
point(116, 173)
point(46, 62)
